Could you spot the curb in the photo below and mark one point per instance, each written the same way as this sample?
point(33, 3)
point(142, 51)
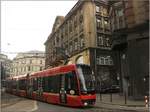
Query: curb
point(121, 107)
point(125, 105)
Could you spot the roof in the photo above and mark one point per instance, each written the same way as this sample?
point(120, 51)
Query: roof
point(30, 54)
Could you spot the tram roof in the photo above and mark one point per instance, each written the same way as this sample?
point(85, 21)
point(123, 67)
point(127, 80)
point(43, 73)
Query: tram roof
point(54, 71)
point(51, 71)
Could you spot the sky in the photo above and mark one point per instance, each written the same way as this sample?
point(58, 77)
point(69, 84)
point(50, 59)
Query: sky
point(26, 25)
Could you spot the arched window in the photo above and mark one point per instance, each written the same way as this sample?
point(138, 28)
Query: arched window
point(79, 60)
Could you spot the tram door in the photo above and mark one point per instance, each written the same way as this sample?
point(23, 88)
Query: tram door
point(62, 93)
point(29, 88)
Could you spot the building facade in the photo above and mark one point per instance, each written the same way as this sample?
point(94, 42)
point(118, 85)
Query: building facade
point(28, 62)
point(5, 65)
point(84, 36)
point(112, 37)
point(130, 34)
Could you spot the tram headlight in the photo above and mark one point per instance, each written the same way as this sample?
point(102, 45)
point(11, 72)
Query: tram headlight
point(85, 103)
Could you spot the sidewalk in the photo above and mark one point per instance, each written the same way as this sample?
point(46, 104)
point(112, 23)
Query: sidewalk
point(8, 99)
point(118, 102)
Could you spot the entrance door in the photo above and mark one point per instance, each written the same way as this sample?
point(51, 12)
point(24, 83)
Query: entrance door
point(62, 93)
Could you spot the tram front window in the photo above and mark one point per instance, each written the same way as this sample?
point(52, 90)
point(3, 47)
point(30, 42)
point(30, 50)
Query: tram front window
point(87, 79)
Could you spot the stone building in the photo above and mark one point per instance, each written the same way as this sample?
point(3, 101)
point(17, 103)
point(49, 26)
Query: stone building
point(84, 36)
point(112, 37)
point(5, 64)
point(28, 62)
point(130, 32)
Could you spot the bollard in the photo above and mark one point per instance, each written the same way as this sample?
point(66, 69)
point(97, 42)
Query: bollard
point(125, 98)
point(146, 101)
point(100, 97)
point(110, 97)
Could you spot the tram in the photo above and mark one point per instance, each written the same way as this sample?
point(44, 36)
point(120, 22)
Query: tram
point(70, 85)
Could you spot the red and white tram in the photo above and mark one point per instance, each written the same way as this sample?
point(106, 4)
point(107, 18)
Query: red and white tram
point(70, 85)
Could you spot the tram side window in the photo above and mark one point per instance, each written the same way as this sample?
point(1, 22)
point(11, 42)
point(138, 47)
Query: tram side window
point(14, 84)
point(10, 85)
point(22, 85)
point(71, 83)
point(54, 84)
point(35, 84)
point(45, 84)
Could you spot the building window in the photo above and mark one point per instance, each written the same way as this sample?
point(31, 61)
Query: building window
point(104, 11)
point(29, 68)
point(40, 68)
point(112, 24)
point(63, 30)
point(81, 22)
point(54, 42)
point(24, 69)
point(107, 42)
point(75, 21)
point(81, 18)
point(110, 61)
point(97, 9)
point(70, 26)
point(106, 24)
point(66, 49)
point(30, 61)
point(40, 61)
point(120, 18)
point(121, 25)
point(21, 69)
point(82, 42)
point(80, 15)
point(57, 39)
point(101, 60)
point(100, 41)
point(99, 23)
point(76, 44)
point(62, 38)
point(120, 12)
point(66, 29)
point(104, 60)
point(32, 67)
point(71, 47)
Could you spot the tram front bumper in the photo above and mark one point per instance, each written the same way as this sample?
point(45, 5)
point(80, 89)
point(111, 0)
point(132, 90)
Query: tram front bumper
point(89, 102)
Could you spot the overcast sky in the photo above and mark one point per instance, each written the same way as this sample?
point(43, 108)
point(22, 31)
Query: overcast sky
point(25, 25)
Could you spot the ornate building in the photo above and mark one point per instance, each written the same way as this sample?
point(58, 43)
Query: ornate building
point(84, 36)
point(28, 62)
point(5, 64)
point(130, 32)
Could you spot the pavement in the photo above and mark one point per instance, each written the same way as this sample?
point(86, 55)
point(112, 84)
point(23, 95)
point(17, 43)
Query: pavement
point(8, 100)
point(117, 104)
